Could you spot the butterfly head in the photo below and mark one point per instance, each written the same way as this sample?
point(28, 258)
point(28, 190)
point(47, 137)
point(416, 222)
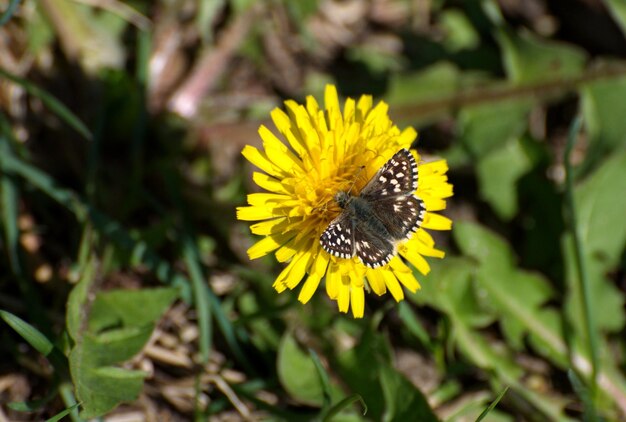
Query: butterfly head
point(342, 198)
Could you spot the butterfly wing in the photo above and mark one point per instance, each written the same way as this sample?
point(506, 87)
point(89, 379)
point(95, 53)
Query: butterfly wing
point(397, 177)
point(372, 249)
point(401, 215)
point(338, 238)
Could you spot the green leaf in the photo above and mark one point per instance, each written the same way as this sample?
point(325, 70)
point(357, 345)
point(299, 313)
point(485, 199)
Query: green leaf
point(498, 173)
point(117, 328)
point(517, 297)
point(602, 102)
point(297, 373)
point(486, 248)
point(453, 286)
point(100, 389)
point(487, 127)
point(600, 209)
point(528, 58)
point(448, 287)
point(438, 81)
point(129, 308)
point(476, 347)
point(434, 82)
point(359, 369)
point(33, 336)
point(403, 402)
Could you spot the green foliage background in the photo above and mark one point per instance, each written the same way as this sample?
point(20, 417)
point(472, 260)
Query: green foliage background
point(124, 282)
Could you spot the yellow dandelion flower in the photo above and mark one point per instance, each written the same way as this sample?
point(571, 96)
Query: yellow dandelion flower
point(323, 152)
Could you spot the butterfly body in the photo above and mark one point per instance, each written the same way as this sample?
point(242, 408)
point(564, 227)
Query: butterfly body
point(384, 213)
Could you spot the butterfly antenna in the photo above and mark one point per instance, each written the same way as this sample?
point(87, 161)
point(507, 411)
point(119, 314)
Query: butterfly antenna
point(356, 177)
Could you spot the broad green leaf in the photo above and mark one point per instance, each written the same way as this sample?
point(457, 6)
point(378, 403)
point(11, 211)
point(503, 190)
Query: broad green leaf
point(476, 347)
point(98, 388)
point(118, 345)
point(75, 314)
point(448, 287)
point(434, 82)
point(518, 297)
point(600, 206)
point(403, 401)
point(528, 58)
point(33, 336)
point(606, 300)
point(297, 372)
point(129, 308)
point(489, 126)
point(498, 173)
point(602, 104)
point(488, 249)
point(501, 363)
point(416, 90)
point(359, 368)
point(117, 327)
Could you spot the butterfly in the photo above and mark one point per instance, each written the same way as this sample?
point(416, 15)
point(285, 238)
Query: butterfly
point(383, 214)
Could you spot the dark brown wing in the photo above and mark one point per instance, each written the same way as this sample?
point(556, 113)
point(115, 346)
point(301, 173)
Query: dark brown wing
point(396, 177)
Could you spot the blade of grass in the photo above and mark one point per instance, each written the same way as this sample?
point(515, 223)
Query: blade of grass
point(123, 239)
point(343, 404)
point(492, 405)
point(321, 372)
point(199, 287)
point(67, 393)
point(8, 14)
point(51, 102)
point(101, 222)
point(62, 414)
point(44, 182)
point(223, 322)
point(9, 201)
point(583, 278)
point(139, 130)
point(130, 244)
point(33, 336)
point(582, 392)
